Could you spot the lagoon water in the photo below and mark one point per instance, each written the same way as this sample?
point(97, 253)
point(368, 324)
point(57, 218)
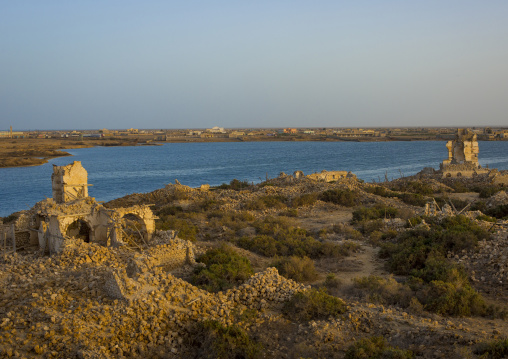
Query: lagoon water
point(118, 171)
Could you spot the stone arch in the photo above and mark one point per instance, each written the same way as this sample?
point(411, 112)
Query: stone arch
point(80, 229)
point(459, 174)
point(448, 174)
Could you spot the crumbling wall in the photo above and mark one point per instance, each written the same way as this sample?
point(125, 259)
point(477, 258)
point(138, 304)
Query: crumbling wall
point(118, 285)
point(52, 222)
point(462, 156)
point(69, 182)
point(143, 213)
point(463, 149)
point(330, 176)
point(173, 254)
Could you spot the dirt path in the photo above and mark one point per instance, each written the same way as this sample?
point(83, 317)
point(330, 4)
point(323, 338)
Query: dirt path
point(361, 264)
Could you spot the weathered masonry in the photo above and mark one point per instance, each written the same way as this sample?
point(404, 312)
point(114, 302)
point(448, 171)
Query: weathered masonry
point(69, 182)
point(462, 156)
point(326, 176)
point(71, 213)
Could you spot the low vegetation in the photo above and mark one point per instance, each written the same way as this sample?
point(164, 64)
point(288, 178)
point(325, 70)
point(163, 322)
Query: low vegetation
point(438, 284)
point(341, 197)
point(211, 339)
point(224, 269)
point(313, 304)
point(376, 212)
point(264, 202)
point(296, 268)
point(376, 348)
point(497, 349)
point(235, 184)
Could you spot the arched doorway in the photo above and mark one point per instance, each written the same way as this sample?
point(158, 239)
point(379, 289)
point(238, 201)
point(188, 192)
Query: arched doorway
point(79, 229)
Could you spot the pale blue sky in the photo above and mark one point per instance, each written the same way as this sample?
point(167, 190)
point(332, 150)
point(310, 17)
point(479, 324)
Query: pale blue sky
point(194, 64)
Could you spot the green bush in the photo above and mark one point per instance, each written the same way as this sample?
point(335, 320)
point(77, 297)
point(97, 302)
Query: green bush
point(185, 229)
point(459, 187)
point(348, 231)
point(451, 299)
point(235, 184)
point(264, 245)
point(291, 212)
point(497, 349)
point(234, 220)
point(413, 247)
point(376, 348)
point(440, 285)
point(307, 199)
point(296, 268)
point(478, 206)
point(500, 212)
point(369, 226)
point(487, 191)
point(437, 267)
point(10, 218)
point(211, 339)
point(342, 197)
point(278, 236)
point(376, 212)
point(379, 191)
point(169, 210)
point(269, 201)
point(332, 282)
point(414, 199)
point(313, 304)
point(225, 268)
point(386, 291)
point(486, 218)
point(420, 187)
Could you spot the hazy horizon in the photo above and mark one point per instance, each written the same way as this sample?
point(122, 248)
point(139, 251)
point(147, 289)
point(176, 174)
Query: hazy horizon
point(177, 65)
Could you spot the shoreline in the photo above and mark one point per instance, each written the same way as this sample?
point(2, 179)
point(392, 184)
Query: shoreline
point(36, 152)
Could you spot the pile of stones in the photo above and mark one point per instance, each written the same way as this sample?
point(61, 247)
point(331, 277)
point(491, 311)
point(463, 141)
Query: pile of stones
point(489, 263)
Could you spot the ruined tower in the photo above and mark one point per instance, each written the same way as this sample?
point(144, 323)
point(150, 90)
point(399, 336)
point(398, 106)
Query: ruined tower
point(464, 149)
point(462, 156)
point(69, 182)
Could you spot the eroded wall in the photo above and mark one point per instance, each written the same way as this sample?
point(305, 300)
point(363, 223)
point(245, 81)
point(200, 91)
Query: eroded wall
point(69, 182)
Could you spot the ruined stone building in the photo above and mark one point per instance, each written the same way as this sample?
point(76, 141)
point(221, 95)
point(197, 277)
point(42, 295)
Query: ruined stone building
point(69, 182)
point(330, 176)
point(462, 156)
point(71, 213)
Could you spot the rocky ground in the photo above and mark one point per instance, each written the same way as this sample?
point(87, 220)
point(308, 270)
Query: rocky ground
point(58, 306)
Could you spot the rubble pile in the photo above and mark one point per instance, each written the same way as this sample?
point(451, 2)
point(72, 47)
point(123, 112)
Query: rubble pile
point(264, 287)
point(489, 263)
point(497, 199)
point(83, 302)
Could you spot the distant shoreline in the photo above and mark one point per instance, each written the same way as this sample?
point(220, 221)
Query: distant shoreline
point(27, 152)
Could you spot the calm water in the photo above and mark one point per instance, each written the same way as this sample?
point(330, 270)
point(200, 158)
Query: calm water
point(117, 171)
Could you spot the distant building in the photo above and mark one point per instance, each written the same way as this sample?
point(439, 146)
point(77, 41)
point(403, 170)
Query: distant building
point(216, 129)
point(462, 156)
point(291, 130)
point(236, 134)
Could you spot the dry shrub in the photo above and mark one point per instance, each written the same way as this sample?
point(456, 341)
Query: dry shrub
point(313, 304)
point(296, 268)
point(386, 291)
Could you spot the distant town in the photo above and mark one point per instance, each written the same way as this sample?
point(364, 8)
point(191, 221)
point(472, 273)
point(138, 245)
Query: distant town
point(220, 134)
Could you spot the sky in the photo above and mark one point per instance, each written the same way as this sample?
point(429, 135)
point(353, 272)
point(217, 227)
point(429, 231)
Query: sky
point(243, 64)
